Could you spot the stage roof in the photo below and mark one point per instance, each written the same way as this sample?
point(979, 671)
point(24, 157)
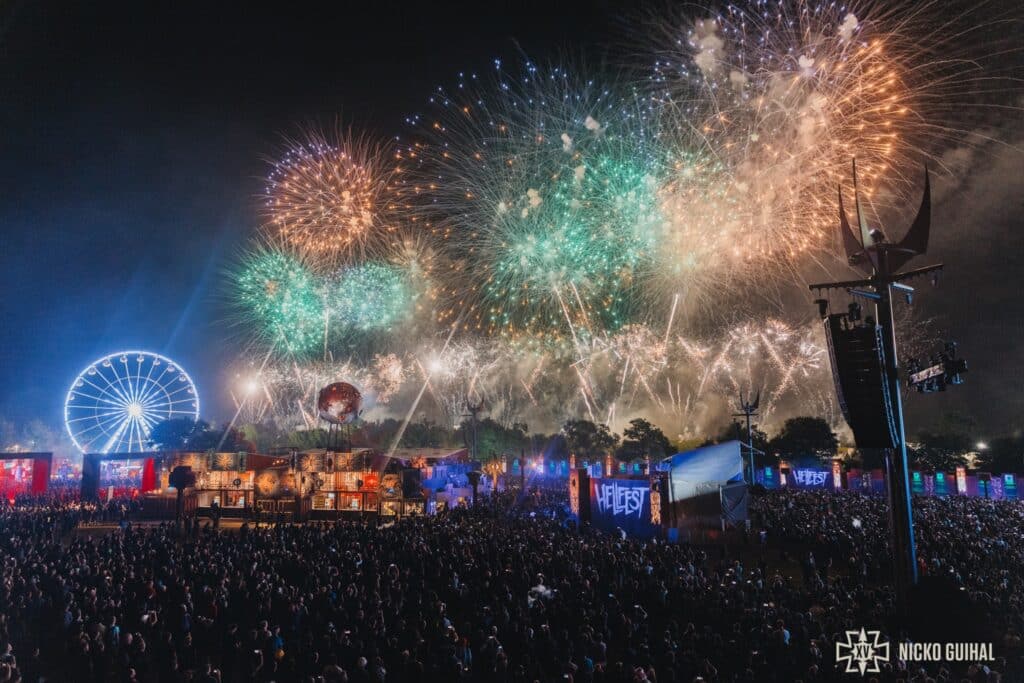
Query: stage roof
point(703, 469)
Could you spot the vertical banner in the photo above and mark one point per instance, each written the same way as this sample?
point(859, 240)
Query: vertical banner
point(995, 485)
point(656, 503)
point(961, 481)
point(40, 475)
point(1010, 486)
point(574, 493)
point(148, 475)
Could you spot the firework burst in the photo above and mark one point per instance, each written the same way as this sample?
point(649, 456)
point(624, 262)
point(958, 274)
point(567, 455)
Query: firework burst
point(546, 186)
point(335, 198)
point(285, 390)
point(585, 247)
point(369, 297)
point(280, 300)
point(778, 97)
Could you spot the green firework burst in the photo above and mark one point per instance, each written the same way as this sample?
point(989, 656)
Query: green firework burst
point(284, 300)
point(551, 184)
point(369, 297)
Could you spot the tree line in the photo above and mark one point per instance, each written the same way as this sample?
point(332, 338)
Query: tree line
point(944, 446)
point(811, 437)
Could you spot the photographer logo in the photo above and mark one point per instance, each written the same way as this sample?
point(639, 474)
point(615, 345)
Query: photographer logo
point(862, 652)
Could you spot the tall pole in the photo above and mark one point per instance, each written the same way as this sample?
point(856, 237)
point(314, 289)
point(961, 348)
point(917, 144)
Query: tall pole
point(749, 409)
point(901, 520)
point(522, 471)
point(750, 447)
point(474, 411)
point(881, 260)
point(897, 470)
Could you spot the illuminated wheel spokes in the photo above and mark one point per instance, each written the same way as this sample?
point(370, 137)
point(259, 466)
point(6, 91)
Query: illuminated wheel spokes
point(113, 405)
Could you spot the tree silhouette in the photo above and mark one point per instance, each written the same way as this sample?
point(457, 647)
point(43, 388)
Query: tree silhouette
point(226, 440)
point(738, 432)
point(425, 434)
point(805, 437)
point(173, 434)
point(305, 439)
point(263, 436)
point(940, 452)
point(587, 439)
point(1003, 455)
point(495, 439)
point(641, 439)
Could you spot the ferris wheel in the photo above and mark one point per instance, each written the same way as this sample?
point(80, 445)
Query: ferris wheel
point(114, 403)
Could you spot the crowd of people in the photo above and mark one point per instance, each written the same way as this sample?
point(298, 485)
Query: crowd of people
point(976, 544)
point(507, 591)
point(69, 510)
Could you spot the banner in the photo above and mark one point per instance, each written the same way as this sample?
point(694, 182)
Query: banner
point(40, 475)
point(735, 503)
point(622, 504)
point(810, 478)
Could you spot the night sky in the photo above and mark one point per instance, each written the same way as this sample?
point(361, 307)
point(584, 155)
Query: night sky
point(134, 143)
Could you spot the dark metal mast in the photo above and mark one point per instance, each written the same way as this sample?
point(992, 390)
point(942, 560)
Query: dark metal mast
point(474, 412)
point(881, 260)
point(748, 410)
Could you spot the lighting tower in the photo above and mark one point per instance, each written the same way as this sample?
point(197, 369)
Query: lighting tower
point(865, 365)
point(748, 409)
point(474, 411)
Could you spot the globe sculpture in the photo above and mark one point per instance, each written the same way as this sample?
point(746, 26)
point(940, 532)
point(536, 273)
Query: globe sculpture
point(339, 403)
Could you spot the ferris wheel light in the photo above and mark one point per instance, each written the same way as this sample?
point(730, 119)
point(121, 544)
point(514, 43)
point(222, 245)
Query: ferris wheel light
point(114, 410)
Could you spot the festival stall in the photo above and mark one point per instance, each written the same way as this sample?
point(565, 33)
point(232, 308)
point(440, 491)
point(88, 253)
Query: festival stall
point(224, 481)
point(344, 485)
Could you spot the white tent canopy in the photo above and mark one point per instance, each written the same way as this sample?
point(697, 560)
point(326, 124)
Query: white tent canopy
point(704, 469)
